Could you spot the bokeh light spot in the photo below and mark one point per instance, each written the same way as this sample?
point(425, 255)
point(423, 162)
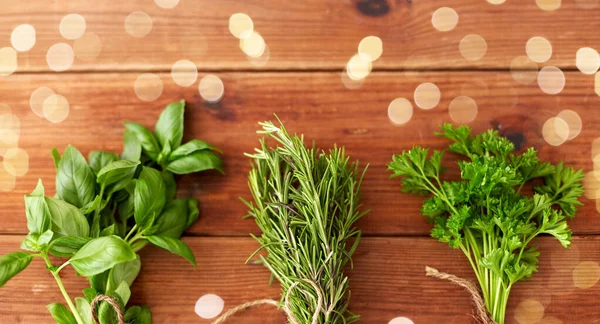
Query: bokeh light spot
point(555, 131)
point(36, 101)
point(56, 108)
point(241, 25)
point(400, 111)
point(148, 86)
point(401, 320)
point(138, 24)
point(209, 306)
point(586, 274)
point(8, 61)
point(16, 162)
point(60, 57)
point(529, 311)
point(184, 73)
point(358, 68)
point(87, 47)
point(211, 88)
point(523, 69)
point(548, 5)
point(22, 37)
point(253, 45)
point(370, 48)
point(473, 47)
point(166, 4)
point(538, 49)
point(463, 109)
point(573, 120)
point(427, 96)
point(551, 80)
point(72, 26)
point(587, 60)
point(444, 19)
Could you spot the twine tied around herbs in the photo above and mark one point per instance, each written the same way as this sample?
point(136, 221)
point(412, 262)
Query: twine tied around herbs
point(286, 305)
point(482, 314)
point(112, 302)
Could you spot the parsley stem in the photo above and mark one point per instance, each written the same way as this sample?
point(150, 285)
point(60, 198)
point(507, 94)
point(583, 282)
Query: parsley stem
point(61, 286)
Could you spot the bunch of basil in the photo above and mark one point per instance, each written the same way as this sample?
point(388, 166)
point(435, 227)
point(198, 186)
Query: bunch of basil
point(109, 207)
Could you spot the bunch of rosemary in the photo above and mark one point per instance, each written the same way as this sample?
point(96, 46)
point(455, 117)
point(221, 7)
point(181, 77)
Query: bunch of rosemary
point(305, 203)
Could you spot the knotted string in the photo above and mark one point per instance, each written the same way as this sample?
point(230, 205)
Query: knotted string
point(112, 302)
point(482, 313)
point(286, 305)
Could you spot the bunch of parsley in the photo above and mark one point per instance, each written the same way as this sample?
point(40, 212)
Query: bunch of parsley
point(306, 202)
point(107, 208)
point(486, 214)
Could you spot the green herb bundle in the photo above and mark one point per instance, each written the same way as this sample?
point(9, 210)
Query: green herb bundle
point(486, 214)
point(306, 202)
point(106, 209)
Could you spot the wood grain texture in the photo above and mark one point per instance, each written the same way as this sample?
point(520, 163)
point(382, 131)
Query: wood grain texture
point(315, 104)
point(387, 281)
point(313, 34)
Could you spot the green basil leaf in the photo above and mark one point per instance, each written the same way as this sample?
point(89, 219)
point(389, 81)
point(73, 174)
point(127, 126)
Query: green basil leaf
point(124, 292)
point(191, 147)
point(149, 197)
point(195, 162)
point(100, 159)
point(132, 313)
point(125, 207)
point(193, 212)
point(91, 206)
point(101, 254)
point(144, 317)
point(146, 139)
point(35, 242)
point(30, 242)
point(174, 246)
point(138, 315)
point(99, 282)
point(13, 263)
point(124, 272)
point(107, 231)
point(106, 313)
point(173, 219)
point(67, 246)
point(84, 309)
point(132, 148)
point(38, 215)
point(45, 238)
point(74, 179)
point(169, 127)
point(116, 172)
point(55, 157)
point(170, 184)
point(67, 220)
point(138, 245)
point(89, 294)
point(61, 314)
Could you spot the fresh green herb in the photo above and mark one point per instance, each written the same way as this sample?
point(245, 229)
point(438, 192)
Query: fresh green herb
point(106, 209)
point(306, 204)
point(486, 214)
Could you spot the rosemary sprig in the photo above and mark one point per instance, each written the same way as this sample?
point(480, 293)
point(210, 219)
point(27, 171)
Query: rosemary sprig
point(306, 204)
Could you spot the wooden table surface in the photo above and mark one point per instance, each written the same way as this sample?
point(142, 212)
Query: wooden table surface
point(309, 44)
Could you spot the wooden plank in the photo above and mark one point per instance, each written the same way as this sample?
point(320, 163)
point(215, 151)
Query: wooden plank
point(312, 34)
point(388, 281)
point(317, 105)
